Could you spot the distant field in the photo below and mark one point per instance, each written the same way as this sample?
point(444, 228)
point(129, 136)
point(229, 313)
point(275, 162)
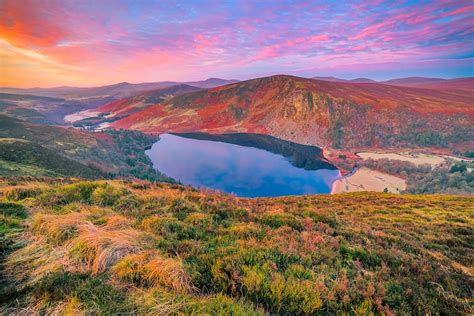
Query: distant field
point(417, 159)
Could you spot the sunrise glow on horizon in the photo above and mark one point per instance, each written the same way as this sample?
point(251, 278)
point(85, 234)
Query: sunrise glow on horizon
point(87, 43)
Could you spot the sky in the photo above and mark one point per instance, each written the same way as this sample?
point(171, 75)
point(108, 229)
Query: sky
point(45, 43)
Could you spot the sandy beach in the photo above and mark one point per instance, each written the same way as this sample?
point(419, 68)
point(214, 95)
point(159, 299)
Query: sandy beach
point(365, 179)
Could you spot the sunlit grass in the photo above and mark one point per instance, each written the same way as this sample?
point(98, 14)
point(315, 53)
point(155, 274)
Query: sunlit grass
point(110, 247)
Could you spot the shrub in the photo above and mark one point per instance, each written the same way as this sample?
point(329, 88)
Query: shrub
point(100, 248)
point(151, 269)
point(57, 228)
point(368, 259)
point(13, 209)
point(469, 154)
point(279, 220)
point(169, 227)
point(79, 192)
point(17, 194)
point(279, 294)
point(181, 208)
point(128, 204)
point(327, 218)
point(199, 220)
point(222, 305)
point(107, 195)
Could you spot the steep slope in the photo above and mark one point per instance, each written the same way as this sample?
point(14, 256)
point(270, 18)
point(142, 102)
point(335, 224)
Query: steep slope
point(322, 113)
point(301, 156)
point(61, 104)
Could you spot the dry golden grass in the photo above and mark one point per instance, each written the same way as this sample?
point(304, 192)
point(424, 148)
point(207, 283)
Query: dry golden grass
point(118, 222)
point(100, 248)
point(57, 229)
point(31, 263)
point(155, 301)
point(151, 268)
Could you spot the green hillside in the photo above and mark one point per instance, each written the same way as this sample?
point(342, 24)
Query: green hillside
point(23, 158)
point(44, 150)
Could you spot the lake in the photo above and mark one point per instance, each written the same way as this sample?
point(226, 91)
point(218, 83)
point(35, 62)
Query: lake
point(248, 165)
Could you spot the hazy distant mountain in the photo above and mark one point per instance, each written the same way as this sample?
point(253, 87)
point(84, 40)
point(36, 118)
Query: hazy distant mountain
point(415, 82)
point(211, 83)
point(434, 83)
point(116, 91)
point(362, 80)
point(334, 79)
point(323, 113)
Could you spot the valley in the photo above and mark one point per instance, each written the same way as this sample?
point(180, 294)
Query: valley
point(396, 120)
point(359, 125)
point(324, 167)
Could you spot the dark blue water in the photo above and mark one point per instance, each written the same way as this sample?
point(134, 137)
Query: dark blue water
point(244, 171)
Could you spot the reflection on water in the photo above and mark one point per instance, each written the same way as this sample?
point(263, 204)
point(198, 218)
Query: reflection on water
point(245, 171)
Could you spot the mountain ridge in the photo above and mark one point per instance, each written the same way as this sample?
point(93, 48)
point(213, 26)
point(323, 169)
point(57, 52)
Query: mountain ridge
point(315, 112)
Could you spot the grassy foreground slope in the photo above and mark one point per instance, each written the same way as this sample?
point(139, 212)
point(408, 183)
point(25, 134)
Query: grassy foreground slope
point(110, 247)
point(28, 149)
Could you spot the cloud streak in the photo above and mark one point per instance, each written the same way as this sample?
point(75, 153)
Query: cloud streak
point(98, 42)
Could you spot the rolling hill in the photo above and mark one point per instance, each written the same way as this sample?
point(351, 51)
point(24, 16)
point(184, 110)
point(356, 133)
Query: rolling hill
point(327, 114)
point(141, 101)
point(41, 109)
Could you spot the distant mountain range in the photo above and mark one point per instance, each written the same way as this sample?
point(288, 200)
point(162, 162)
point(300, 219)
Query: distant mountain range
point(434, 83)
point(125, 89)
point(334, 79)
point(322, 111)
point(116, 91)
point(50, 105)
point(415, 82)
